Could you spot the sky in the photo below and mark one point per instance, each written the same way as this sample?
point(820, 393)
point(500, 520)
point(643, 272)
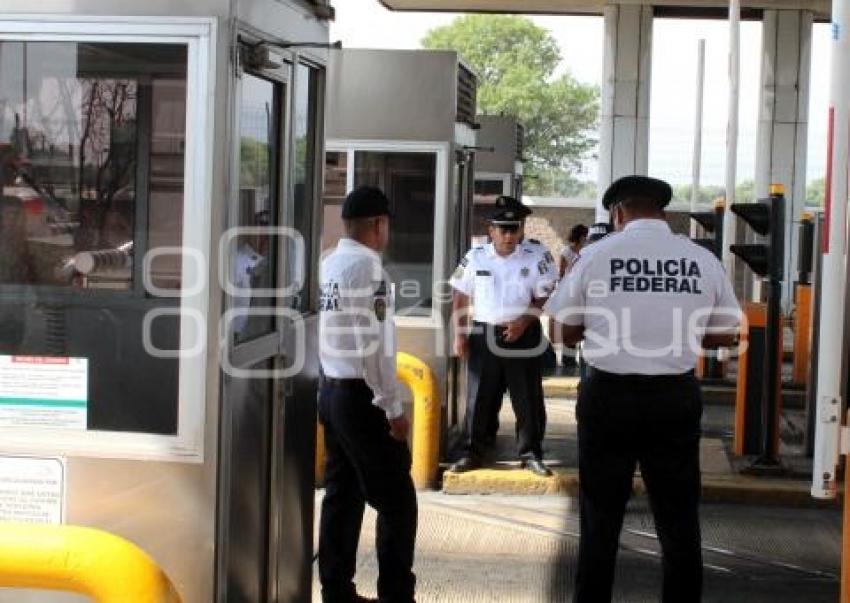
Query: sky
point(367, 24)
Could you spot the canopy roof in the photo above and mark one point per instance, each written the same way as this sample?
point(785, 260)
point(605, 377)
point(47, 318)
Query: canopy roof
point(695, 8)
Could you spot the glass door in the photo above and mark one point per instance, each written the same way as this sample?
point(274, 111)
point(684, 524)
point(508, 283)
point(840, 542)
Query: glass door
point(253, 255)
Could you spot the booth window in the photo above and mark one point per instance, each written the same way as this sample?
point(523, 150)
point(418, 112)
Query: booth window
point(488, 190)
point(92, 142)
point(409, 180)
point(336, 176)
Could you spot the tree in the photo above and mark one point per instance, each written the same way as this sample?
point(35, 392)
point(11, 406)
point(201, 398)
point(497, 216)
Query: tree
point(515, 61)
point(816, 192)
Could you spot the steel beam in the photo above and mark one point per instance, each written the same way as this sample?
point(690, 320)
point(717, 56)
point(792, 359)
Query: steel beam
point(783, 120)
point(624, 110)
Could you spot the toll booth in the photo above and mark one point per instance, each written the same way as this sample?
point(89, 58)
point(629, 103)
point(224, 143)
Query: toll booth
point(498, 163)
point(160, 166)
point(404, 121)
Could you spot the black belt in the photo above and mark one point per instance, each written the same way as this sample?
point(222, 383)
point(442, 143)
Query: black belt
point(337, 382)
point(592, 371)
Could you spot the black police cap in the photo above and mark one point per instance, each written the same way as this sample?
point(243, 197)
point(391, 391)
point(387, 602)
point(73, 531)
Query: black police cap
point(365, 202)
point(508, 210)
point(644, 187)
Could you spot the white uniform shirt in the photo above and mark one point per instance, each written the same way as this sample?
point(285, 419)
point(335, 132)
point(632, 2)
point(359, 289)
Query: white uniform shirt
point(570, 256)
point(645, 297)
point(502, 288)
point(356, 330)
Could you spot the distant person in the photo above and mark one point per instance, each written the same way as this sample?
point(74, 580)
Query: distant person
point(17, 264)
point(575, 241)
point(17, 267)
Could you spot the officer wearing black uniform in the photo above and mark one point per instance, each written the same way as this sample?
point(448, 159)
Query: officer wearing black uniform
point(506, 283)
point(368, 460)
point(645, 301)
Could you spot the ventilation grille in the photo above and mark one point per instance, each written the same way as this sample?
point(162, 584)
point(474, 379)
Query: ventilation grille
point(467, 89)
point(520, 142)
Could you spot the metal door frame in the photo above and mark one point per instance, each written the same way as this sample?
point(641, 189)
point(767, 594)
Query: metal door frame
point(265, 347)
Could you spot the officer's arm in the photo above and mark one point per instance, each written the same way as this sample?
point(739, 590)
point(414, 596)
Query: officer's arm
point(375, 336)
point(717, 340)
point(460, 322)
point(723, 324)
point(572, 334)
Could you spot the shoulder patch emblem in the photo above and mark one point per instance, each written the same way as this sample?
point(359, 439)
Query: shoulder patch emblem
point(380, 303)
point(542, 267)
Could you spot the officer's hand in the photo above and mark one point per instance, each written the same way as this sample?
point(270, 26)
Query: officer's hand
point(399, 428)
point(514, 329)
point(461, 346)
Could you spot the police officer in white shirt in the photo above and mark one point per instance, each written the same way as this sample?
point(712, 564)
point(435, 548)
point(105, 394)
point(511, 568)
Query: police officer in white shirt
point(645, 301)
point(506, 283)
point(543, 254)
point(368, 460)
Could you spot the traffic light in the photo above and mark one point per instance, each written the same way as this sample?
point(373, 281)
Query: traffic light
point(712, 223)
point(766, 218)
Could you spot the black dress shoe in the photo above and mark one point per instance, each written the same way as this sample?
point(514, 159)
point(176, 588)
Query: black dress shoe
point(537, 467)
point(467, 463)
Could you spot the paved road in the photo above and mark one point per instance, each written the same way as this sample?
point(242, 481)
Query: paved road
point(523, 549)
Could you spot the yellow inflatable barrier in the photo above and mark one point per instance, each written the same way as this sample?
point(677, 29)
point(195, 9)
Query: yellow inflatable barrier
point(87, 561)
point(425, 445)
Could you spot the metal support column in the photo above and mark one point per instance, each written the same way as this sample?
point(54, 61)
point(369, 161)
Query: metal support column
point(624, 109)
point(783, 120)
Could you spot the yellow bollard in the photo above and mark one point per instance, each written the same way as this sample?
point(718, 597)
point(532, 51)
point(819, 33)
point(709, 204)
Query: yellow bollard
point(425, 445)
point(802, 335)
point(91, 562)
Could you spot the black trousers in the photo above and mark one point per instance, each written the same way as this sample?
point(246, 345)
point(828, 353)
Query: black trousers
point(364, 465)
point(654, 421)
point(493, 366)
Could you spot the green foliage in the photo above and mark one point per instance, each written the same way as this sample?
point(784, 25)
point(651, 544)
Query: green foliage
point(515, 61)
point(253, 163)
point(558, 183)
point(816, 192)
point(708, 193)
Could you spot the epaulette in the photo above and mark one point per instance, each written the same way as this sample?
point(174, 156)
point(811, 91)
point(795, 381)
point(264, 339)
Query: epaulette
point(534, 242)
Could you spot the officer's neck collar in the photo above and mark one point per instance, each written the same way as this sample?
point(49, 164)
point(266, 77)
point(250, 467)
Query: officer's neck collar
point(491, 249)
point(352, 245)
point(647, 224)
